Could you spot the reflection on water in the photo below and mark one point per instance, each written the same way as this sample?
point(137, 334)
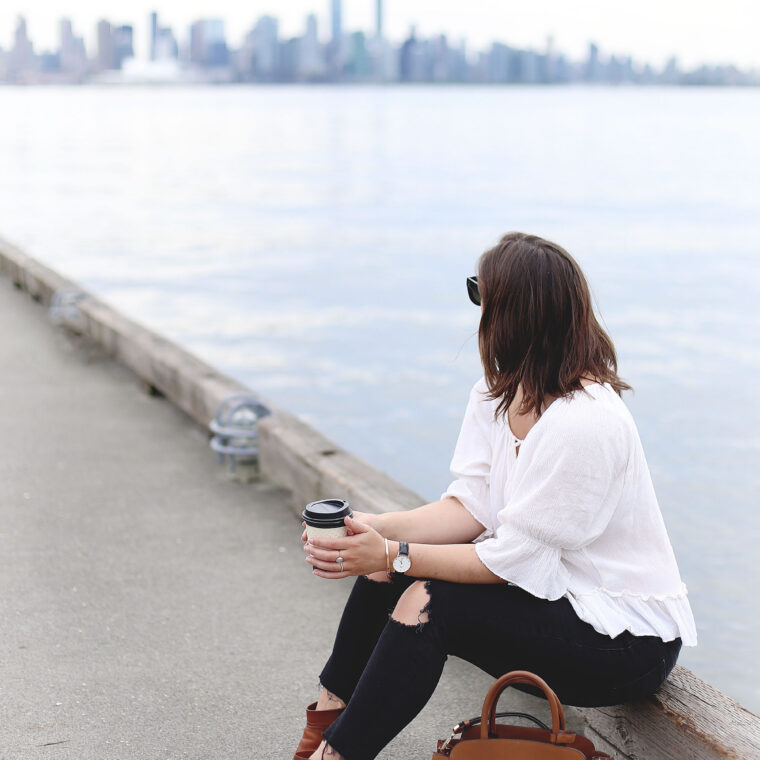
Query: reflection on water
point(314, 243)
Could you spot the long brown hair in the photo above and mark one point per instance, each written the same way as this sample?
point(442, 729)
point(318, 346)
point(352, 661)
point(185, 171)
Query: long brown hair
point(538, 325)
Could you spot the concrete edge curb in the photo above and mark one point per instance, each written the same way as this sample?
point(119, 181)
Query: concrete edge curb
point(686, 718)
point(293, 455)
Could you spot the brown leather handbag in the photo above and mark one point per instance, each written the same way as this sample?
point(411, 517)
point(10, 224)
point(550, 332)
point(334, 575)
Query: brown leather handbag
point(496, 741)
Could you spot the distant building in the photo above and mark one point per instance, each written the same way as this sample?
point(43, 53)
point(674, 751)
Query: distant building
point(123, 43)
point(379, 19)
point(549, 68)
point(502, 64)
point(289, 60)
point(153, 34)
point(530, 66)
point(49, 63)
point(384, 59)
point(336, 37)
point(21, 59)
point(265, 49)
point(166, 45)
point(358, 65)
point(208, 47)
point(311, 64)
point(593, 65)
point(106, 56)
point(440, 59)
point(72, 52)
point(412, 59)
point(671, 74)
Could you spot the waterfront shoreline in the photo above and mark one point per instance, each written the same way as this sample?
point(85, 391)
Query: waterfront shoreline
point(687, 714)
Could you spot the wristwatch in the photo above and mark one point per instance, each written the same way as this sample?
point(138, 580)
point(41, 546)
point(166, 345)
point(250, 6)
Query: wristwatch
point(402, 562)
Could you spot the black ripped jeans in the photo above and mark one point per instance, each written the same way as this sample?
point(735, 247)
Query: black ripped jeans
point(386, 671)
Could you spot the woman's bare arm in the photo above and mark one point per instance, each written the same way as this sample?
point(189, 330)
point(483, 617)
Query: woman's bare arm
point(441, 522)
point(363, 552)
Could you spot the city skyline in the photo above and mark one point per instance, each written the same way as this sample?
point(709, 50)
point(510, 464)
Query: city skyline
point(204, 54)
point(707, 33)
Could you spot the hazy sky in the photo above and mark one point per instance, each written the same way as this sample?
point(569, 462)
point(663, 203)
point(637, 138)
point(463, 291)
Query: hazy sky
point(713, 31)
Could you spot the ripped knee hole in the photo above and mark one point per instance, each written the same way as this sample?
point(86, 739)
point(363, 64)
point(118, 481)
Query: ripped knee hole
point(411, 604)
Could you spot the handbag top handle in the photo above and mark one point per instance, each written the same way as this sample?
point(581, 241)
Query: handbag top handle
point(488, 716)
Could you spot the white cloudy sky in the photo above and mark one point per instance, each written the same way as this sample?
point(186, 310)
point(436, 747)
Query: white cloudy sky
point(696, 31)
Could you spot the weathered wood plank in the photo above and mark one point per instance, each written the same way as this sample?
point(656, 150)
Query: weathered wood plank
point(686, 719)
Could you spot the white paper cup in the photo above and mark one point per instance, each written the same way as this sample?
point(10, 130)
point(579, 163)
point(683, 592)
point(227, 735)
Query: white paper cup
point(325, 518)
point(325, 532)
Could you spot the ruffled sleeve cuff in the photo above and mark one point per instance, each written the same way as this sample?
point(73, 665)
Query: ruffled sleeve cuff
point(473, 496)
point(529, 564)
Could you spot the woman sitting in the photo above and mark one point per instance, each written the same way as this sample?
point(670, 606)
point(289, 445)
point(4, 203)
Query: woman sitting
point(547, 553)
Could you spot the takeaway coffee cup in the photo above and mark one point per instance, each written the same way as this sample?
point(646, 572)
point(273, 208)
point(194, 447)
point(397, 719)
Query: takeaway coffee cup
point(325, 518)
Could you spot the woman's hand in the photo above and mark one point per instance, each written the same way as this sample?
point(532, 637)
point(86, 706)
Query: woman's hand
point(363, 551)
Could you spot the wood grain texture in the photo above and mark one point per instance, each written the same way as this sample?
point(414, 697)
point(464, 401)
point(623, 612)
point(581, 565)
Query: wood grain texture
point(686, 719)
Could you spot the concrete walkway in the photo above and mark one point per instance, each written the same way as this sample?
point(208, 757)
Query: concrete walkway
point(151, 607)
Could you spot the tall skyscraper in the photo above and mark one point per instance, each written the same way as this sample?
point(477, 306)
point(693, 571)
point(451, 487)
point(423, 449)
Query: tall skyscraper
point(379, 19)
point(66, 34)
point(153, 34)
point(106, 53)
point(336, 40)
point(21, 57)
point(72, 53)
point(122, 42)
point(336, 16)
point(166, 44)
point(593, 66)
point(266, 47)
point(310, 64)
point(197, 54)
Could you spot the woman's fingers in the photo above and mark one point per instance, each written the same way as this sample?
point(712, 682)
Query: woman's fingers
point(328, 565)
point(357, 526)
point(326, 555)
point(365, 517)
point(336, 542)
point(330, 576)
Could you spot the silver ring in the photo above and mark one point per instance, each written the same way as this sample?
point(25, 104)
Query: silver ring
point(339, 560)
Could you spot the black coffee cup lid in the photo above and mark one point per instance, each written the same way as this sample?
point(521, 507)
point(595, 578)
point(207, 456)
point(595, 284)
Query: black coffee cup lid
point(326, 513)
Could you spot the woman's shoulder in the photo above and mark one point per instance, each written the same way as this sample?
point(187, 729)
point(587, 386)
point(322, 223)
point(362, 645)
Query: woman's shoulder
point(480, 387)
point(479, 395)
point(595, 412)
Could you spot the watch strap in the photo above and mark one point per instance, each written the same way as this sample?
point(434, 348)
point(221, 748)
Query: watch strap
point(403, 548)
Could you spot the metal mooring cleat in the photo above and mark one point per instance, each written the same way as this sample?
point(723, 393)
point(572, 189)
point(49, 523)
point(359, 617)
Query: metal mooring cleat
point(64, 309)
point(235, 429)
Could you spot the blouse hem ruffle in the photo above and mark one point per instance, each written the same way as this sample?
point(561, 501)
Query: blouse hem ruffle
point(538, 569)
point(681, 593)
point(668, 616)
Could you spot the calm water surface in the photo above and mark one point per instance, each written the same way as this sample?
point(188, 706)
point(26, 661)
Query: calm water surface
point(313, 242)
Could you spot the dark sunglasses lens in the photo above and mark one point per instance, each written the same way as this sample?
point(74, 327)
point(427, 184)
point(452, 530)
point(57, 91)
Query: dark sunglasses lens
point(472, 290)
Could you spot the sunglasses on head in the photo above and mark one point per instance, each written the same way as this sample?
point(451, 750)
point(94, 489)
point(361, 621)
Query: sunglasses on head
point(472, 290)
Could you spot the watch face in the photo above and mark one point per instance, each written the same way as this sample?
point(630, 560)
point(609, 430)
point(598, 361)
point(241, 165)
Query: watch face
point(402, 563)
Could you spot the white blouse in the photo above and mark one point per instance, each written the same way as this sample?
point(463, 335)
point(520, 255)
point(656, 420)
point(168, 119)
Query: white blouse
point(575, 514)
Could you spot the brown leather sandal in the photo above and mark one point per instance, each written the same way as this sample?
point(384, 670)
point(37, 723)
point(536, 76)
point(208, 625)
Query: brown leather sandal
point(316, 722)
